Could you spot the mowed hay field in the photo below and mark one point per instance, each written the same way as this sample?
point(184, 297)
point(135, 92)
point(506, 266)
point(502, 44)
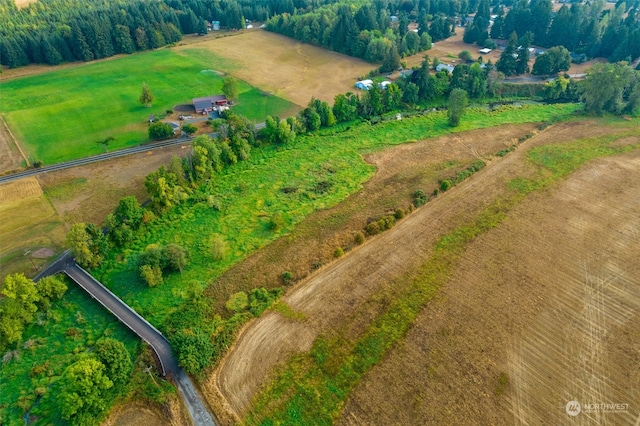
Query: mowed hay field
point(28, 221)
point(283, 66)
point(538, 309)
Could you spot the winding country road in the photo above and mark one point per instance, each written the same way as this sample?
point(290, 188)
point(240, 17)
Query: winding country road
point(139, 326)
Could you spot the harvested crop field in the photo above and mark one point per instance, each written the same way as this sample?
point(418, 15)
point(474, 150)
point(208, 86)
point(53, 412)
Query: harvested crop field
point(541, 310)
point(285, 67)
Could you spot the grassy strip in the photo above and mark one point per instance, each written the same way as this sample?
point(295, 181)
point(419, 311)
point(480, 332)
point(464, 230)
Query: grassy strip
point(313, 387)
point(61, 115)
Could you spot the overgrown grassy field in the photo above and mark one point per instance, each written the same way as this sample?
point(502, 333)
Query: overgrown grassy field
point(313, 387)
point(58, 338)
point(313, 173)
point(61, 115)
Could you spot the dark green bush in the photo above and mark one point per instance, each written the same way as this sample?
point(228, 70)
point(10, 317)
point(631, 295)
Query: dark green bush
point(419, 198)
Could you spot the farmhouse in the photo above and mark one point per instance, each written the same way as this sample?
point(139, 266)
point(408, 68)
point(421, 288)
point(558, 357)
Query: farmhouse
point(364, 84)
point(210, 103)
point(445, 67)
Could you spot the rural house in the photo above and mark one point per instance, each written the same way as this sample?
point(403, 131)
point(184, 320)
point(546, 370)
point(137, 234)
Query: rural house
point(210, 103)
point(364, 84)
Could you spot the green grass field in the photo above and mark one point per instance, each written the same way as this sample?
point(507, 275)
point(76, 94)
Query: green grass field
point(61, 115)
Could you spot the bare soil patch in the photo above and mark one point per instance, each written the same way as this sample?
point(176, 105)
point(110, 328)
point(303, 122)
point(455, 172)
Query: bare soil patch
point(542, 310)
point(286, 67)
point(330, 297)
point(140, 414)
point(10, 157)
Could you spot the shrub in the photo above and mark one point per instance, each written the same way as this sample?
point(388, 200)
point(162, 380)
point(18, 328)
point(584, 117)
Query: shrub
point(287, 277)
point(372, 228)
point(359, 238)
point(214, 203)
point(237, 302)
point(399, 214)
point(419, 198)
point(465, 55)
point(159, 130)
point(189, 129)
point(276, 222)
point(152, 275)
point(445, 185)
point(218, 247)
point(339, 252)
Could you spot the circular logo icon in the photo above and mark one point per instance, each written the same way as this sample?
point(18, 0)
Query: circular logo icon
point(573, 408)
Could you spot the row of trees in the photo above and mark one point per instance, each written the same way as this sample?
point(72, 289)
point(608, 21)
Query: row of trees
point(582, 28)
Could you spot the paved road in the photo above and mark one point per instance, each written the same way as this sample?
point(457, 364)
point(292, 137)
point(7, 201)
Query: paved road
point(141, 327)
point(95, 158)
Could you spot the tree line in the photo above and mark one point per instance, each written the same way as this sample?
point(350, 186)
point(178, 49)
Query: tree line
point(585, 29)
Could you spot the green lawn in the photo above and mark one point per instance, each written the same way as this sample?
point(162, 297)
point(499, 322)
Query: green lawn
point(61, 115)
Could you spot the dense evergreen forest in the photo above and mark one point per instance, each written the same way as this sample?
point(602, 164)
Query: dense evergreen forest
point(56, 31)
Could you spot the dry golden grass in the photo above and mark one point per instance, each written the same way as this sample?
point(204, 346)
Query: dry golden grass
point(27, 222)
point(285, 67)
point(23, 3)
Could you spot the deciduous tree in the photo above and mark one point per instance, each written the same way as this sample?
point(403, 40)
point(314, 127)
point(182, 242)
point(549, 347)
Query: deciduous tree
point(84, 388)
point(146, 98)
point(230, 88)
point(456, 106)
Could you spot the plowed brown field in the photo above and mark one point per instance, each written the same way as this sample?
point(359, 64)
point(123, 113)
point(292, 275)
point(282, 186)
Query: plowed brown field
point(540, 311)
